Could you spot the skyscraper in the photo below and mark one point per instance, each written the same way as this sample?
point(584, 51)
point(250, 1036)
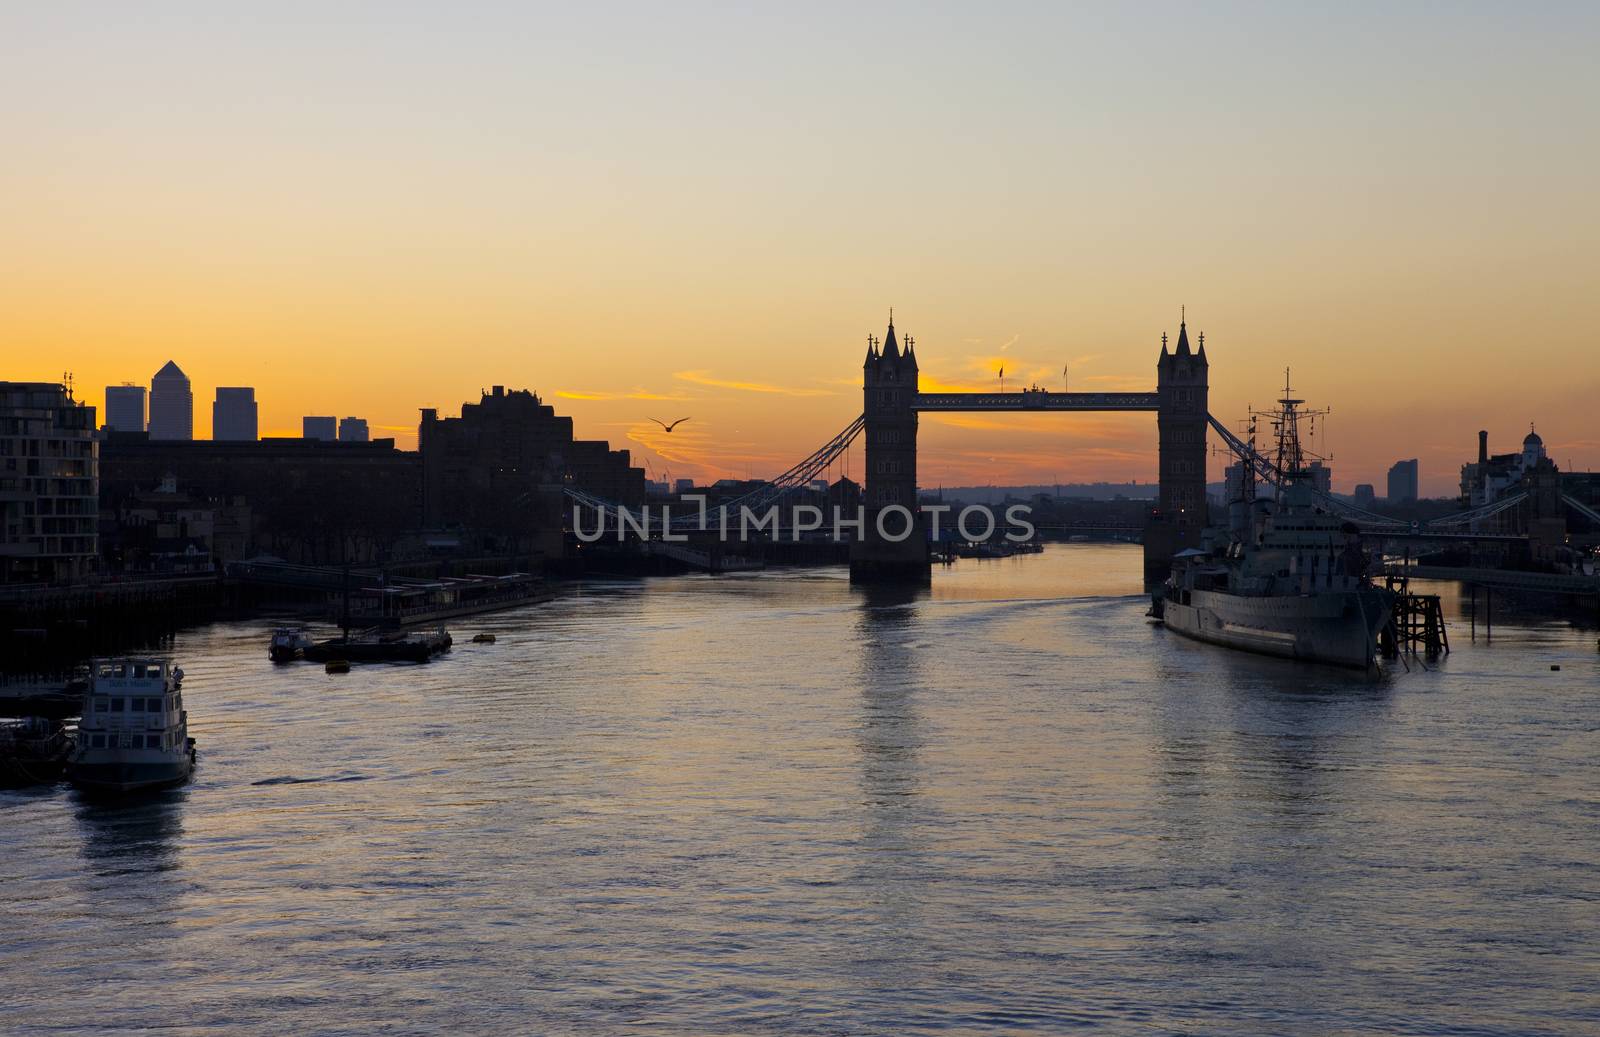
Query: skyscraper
point(171, 404)
point(125, 407)
point(233, 415)
point(318, 427)
point(352, 430)
point(1403, 481)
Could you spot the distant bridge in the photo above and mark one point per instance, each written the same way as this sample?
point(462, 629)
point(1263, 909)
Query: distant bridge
point(888, 423)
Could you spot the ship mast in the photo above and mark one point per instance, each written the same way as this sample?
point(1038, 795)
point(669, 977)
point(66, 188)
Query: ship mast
point(1291, 459)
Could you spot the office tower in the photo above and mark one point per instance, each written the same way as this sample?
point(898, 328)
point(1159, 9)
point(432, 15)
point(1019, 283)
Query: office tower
point(352, 430)
point(325, 428)
point(125, 405)
point(171, 404)
point(233, 415)
point(1403, 481)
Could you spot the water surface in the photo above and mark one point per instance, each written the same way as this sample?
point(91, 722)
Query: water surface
point(777, 804)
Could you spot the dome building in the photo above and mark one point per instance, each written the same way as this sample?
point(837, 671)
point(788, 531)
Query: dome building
point(1532, 449)
point(1485, 480)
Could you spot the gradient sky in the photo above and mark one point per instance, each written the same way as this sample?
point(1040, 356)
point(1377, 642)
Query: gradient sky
point(659, 210)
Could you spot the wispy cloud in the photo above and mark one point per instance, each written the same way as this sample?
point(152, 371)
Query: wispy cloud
point(704, 378)
point(636, 394)
point(1069, 429)
point(928, 383)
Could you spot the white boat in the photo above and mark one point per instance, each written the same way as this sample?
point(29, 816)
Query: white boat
point(134, 732)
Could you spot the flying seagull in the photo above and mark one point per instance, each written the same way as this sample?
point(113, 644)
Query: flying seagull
point(670, 427)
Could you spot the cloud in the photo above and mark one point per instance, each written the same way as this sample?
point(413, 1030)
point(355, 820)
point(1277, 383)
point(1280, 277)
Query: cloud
point(704, 378)
point(637, 394)
point(928, 383)
point(967, 421)
point(1070, 430)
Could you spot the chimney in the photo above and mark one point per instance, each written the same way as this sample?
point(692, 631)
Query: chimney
point(1483, 446)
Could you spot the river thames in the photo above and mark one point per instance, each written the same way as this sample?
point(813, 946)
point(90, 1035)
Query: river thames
point(776, 804)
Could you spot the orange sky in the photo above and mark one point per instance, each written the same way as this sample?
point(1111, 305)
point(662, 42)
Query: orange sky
point(705, 214)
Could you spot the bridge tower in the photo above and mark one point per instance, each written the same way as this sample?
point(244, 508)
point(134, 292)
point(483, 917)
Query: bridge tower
point(889, 387)
point(1546, 511)
point(1182, 387)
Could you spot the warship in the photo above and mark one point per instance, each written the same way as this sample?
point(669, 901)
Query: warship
point(1285, 577)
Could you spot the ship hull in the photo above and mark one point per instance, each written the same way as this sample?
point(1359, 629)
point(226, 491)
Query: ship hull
point(1336, 629)
point(110, 773)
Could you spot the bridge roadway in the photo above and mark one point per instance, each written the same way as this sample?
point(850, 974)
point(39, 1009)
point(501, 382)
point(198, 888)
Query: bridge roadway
point(1036, 399)
point(1427, 537)
point(1503, 579)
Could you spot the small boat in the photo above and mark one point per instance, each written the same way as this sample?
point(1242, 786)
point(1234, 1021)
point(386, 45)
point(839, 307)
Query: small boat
point(134, 732)
point(394, 646)
point(483, 639)
point(33, 751)
point(288, 644)
point(336, 666)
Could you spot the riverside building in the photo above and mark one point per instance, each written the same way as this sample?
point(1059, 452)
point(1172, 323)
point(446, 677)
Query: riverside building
point(49, 484)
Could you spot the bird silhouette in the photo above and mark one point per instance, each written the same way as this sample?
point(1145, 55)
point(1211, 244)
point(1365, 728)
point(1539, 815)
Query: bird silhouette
point(670, 427)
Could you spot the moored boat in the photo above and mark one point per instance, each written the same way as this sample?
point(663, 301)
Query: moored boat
point(288, 644)
point(134, 732)
point(1286, 578)
point(33, 751)
point(392, 646)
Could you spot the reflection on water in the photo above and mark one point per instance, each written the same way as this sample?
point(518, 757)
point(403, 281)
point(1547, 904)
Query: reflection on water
point(776, 803)
point(136, 838)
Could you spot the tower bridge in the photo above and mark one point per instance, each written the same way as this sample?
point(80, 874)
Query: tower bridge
point(889, 550)
point(892, 402)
